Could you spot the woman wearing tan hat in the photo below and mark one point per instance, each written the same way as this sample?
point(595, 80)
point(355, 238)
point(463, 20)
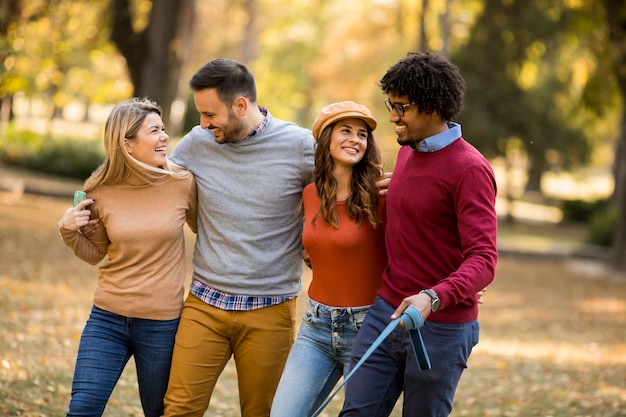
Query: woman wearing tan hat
point(344, 238)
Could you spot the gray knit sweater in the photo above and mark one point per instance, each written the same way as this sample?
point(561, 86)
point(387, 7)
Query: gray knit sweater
point(249, 207)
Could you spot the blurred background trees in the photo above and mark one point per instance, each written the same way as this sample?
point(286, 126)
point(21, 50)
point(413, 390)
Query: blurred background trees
point(546, 79)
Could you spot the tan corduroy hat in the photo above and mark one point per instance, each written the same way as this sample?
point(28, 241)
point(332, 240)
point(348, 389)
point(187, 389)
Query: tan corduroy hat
point(339, 111)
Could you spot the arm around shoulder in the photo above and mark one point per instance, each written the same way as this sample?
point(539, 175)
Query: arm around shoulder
point(192, 210)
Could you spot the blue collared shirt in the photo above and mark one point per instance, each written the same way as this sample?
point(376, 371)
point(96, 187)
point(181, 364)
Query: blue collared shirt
point(440, 140)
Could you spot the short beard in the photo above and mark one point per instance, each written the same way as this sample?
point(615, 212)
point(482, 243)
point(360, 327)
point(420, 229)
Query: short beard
point(406, 141)
point(236, 130)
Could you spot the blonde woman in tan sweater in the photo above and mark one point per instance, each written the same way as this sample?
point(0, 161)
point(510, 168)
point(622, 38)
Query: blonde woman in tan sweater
point(139, 202)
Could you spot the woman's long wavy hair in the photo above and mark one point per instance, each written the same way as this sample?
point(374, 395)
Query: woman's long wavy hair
point(123, 124)
point(363, 197)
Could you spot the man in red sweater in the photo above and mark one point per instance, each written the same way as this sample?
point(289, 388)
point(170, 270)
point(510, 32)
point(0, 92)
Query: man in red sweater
point(441, 242)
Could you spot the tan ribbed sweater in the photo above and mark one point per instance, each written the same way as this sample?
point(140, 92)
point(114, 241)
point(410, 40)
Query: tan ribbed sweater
point(141, 240)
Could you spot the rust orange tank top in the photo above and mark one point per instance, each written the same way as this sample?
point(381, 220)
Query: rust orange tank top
point(347, 262)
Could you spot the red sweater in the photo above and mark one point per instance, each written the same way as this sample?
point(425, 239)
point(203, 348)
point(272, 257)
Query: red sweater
point(441, 229)
point(347, 262)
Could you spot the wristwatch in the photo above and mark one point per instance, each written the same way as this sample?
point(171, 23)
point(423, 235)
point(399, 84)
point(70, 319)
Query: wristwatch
point(436, 303)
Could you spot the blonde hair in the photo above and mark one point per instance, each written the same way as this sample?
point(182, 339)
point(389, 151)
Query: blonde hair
point(123, 124)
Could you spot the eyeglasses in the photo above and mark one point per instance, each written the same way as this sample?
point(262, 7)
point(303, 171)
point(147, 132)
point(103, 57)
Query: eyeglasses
point(398, 107)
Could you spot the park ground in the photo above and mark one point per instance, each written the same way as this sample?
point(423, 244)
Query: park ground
point(553, 326)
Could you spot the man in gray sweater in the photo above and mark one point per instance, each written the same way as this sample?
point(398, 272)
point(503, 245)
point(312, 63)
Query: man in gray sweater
point(250, 170)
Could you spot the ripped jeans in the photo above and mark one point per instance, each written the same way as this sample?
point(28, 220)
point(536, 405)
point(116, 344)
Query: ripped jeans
point(318, 358)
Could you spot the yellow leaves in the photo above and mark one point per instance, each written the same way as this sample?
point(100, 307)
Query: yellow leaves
point(582, 69)
point(528, 75)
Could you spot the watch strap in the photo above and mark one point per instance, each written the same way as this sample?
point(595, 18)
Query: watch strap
point(432, 294)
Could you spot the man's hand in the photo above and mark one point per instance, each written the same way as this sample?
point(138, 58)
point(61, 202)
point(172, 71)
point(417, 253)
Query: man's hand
point(383, 184)
point(305, 258)
point(421, 301)
point(90, 228)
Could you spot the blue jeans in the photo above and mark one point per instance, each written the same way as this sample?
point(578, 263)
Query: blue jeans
point(376, 386)
point(107, 343)
point(318, 358)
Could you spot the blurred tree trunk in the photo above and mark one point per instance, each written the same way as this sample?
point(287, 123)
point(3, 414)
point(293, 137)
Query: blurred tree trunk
point(616, 19)
point(535, 171)
point(250, 47)
point(446, 30)
point(423, 41)
point(10, 11)
point(155, 55)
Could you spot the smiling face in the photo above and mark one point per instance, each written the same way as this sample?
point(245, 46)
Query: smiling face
point(215, 115)
point(348, 142)
point(414, 126)
point(150, 143)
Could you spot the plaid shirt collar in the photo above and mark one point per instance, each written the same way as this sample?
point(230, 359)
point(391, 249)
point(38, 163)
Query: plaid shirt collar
point(259, 129)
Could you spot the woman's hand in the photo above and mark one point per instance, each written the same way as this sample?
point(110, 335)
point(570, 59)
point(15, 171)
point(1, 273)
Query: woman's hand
point(480, 295)
point(77, 217)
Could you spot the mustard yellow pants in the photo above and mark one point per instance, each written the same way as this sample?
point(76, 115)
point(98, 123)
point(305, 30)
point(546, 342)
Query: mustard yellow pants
point(206, 339)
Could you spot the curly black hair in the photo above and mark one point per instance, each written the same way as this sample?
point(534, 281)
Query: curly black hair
point(430, 81)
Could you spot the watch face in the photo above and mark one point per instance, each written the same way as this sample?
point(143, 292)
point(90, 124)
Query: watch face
point(435, 300)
